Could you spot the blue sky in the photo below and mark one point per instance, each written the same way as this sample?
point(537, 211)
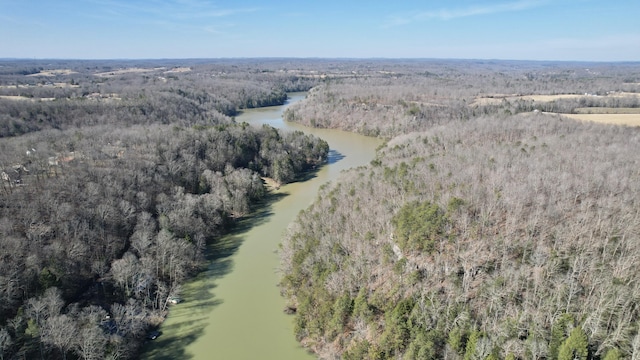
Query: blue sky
point(587, 30)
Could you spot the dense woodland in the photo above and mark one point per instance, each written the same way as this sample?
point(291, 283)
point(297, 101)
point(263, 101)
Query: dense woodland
point(114, 187)
point(495, 231)
point(482, 230)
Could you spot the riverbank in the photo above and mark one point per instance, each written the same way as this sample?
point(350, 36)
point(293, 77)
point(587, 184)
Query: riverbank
point(234, 309)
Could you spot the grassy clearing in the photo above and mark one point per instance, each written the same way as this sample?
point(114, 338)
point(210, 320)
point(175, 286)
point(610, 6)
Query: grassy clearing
point(607, 110)
point(498, 98)
point(55, 72)
point(23, 98)
point(548, 98)
point(56, 85)
point(624, 94)
point(617, 119)
point(178, 70)
point(126, 71)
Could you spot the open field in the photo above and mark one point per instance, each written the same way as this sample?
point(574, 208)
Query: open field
point(54, 72)
point(607, 110)
point(178, 70)
point(126, 71)
point(56, 85)
point(498, 98)
point(623, 94)
point(22, 98)
point(547, 98)
point(617, 119)
point(19, 86)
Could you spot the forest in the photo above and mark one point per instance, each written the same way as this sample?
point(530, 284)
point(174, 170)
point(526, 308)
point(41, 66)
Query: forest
point(116, 179)
point(489, 226)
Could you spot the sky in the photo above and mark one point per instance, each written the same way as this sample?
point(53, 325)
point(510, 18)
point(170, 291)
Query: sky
point(565, 30)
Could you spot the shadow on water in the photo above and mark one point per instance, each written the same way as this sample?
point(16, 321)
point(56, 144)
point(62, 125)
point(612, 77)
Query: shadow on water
point(334, 156)
point(191, 317)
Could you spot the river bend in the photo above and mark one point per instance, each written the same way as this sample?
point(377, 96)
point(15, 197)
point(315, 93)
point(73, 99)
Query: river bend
point(233, 309)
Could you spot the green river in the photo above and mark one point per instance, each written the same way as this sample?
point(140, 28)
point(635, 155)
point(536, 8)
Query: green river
point(233, 309)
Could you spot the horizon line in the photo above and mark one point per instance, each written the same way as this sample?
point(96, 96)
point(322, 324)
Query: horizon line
point(305, 58)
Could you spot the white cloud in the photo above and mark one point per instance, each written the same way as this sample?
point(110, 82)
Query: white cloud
point(171, 9)
point(455, 13)
point(183, 16)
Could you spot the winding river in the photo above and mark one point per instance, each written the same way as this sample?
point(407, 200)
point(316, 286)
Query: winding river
point(233, 309)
